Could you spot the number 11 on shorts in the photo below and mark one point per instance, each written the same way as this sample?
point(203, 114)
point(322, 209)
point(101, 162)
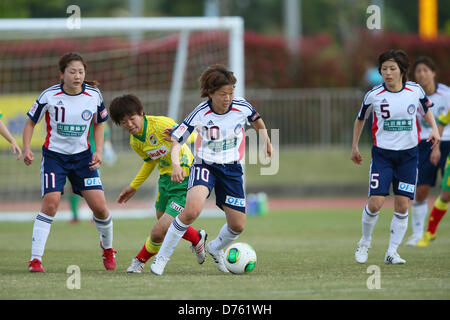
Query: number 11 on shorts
point(53, 180)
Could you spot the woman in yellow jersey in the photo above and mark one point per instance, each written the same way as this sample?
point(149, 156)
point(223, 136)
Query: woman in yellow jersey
point(7, 135)
point(147, 140)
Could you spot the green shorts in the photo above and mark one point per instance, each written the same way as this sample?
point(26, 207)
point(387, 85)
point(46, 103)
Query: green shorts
point(446, 179)
point(171, 195)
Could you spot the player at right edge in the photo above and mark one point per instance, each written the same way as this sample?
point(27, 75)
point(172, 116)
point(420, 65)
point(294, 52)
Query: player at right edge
point(394, 105)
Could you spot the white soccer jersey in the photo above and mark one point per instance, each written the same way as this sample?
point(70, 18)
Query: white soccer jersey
point(221, 137)
point(68, 117)
point(394, 125)
point(441, 101)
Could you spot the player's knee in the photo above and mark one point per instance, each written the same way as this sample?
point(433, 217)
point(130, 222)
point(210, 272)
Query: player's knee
point(445, 197)
point(375, 206)
point(190, 213)
point(157, 234)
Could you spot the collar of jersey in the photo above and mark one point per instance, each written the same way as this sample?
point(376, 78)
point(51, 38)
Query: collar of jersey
point(83, 87)
point(403, 87)
point(144, 130)
point(220, 114)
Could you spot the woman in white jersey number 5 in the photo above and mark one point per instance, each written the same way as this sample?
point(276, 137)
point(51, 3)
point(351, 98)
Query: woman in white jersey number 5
point(220, 121)
point(394, 106)
point(69, 109)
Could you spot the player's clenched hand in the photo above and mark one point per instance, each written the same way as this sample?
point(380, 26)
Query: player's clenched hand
point(167, 132)
point(177, 174)
point(435, 138)
point(435, 156)
point(126, 194)
point(96, 161)
point(28, 156)
point(356, 156)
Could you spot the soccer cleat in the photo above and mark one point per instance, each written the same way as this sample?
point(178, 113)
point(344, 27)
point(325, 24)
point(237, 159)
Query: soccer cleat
point(217, 255)
point(362, 252)
point(393, 258)
point(158, 265)
point(136, 266)
point(109, 258)
point(425, 241)
point(35, 266)
point(412, 240)
point(199, 248)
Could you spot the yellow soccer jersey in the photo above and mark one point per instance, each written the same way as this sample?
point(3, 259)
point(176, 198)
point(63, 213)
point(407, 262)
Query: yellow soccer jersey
point(444, 118)
point(151, 146)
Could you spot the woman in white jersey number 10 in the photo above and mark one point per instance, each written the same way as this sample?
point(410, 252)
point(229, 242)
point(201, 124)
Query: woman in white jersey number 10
point(69, 109)
point(220, 121)
point(394, 106)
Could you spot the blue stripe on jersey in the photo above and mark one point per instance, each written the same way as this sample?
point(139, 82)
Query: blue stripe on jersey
point(244, 105)
point(55, 87)
point(370, 91)
point(194, 113)
point(410, 83)
point(37, 113)
point(362, 112)
point(423, 102)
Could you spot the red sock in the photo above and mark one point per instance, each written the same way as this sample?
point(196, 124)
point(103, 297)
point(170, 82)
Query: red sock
point(435, 217)
point(144, 255)
point(191, 235)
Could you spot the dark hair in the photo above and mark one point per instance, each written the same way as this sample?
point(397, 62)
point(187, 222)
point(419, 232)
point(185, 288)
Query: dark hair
point(400, 57)
point(74, 56)
point(426, 61)
point(215, 77)
point(126, 105)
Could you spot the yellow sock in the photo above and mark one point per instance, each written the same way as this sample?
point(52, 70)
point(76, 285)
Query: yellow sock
point(440, 205)
point(152, 247)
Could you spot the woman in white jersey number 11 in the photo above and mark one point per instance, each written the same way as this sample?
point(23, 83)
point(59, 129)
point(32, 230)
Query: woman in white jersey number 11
point(69, 109)
point(220, 122)
point(394, 106)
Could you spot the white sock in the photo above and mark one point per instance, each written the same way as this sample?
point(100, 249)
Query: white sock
point(369, 219)
point(105, 228)
point(226, 236)
point(41, 230)
point(173, 236)
point(399, 225)
point(419, 212)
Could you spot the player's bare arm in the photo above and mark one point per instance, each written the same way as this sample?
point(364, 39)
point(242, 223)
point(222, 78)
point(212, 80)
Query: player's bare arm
point(357, 129)
point(261, 127)
point(99, 137)
point(435, 137)
point(28, 130)
point(177, 172)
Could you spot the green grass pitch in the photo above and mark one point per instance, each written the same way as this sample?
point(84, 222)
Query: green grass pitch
point(302, 254)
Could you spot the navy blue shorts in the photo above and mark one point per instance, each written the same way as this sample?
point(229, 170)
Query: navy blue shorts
point(396, 167)
point(427, 171)
point(226, 179)
point(56, 167)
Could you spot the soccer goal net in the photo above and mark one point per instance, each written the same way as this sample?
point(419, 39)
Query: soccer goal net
point(158, 59)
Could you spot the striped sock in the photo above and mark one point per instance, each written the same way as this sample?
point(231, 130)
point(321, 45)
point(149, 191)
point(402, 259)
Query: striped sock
point(173, 236)
point(439, 210)
point(399, 225)
point(105, 228)
point(41, 230)
point(149, 249)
